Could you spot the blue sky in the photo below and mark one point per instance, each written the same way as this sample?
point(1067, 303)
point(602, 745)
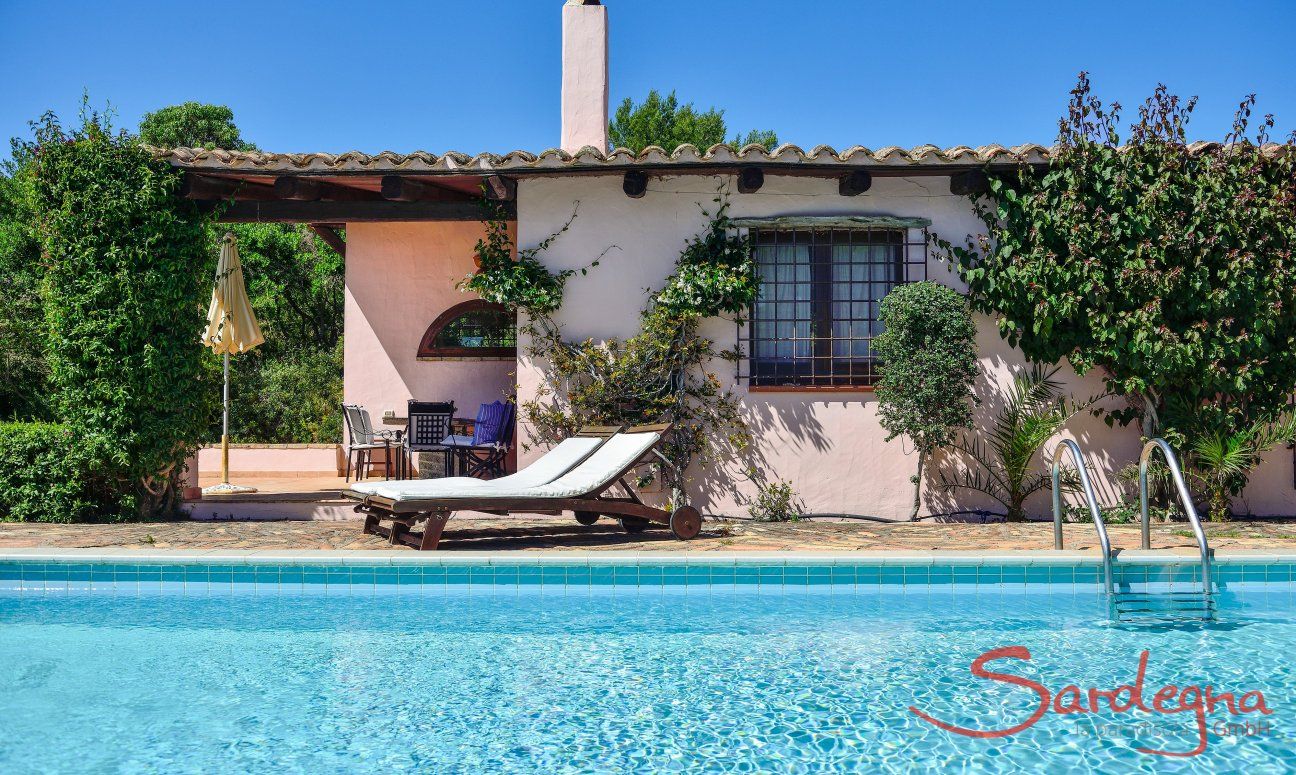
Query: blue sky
point(484, 75)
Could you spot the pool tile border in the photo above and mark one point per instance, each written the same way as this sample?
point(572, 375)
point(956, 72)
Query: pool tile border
point(316, 571)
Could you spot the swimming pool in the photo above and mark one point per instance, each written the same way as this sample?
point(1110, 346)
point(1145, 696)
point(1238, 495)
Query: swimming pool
point(559, 667)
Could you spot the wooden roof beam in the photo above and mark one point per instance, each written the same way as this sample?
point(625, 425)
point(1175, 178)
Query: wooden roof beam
point(289, 211)
point(207, 187)
point(305, 189)
point(331, 237)
point(400, 188)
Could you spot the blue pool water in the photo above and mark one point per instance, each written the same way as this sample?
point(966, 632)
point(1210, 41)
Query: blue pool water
point(568, 679)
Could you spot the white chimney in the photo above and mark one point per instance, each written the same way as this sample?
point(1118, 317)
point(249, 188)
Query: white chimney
point(585, 76)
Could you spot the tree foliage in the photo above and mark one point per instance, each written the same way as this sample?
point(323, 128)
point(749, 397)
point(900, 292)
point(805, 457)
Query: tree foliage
point(123, 297)
point(1167, 268)
point(295, 282)
point(663, 122)
point(192, 125)
point(288, 390)
point(928, 360)
point(23, 372)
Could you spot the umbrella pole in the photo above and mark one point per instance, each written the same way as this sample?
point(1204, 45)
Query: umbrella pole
point(225, 488)
point(225, 427)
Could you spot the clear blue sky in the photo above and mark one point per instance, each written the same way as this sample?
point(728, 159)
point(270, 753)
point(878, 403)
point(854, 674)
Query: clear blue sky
point(484, 76)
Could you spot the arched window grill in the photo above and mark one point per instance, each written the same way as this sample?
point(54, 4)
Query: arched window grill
point(473, 329)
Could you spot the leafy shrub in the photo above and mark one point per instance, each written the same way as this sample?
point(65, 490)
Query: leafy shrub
point(124, 293)
point(48, 473)
point(776, 502)
point(928, 362)
point(1004, 459)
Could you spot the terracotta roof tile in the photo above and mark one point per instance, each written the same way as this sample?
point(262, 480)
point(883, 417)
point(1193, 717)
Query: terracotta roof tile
point(555, 160)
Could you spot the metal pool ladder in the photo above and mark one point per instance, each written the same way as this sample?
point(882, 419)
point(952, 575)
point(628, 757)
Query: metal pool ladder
point(1142, 605)
point(1173, 605)
point(1091, 500)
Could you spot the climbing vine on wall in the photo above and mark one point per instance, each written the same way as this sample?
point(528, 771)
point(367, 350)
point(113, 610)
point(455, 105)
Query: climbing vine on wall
point(660, 374)
point(519, 282)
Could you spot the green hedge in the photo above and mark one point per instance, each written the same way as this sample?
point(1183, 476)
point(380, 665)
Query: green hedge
point(49, 474)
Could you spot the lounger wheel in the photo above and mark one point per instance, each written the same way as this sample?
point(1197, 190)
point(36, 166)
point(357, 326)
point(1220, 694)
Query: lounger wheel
point(587, 517)
point(634, 524)
point(685, 522)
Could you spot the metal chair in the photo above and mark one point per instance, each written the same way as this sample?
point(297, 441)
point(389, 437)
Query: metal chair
point(362, 440)
point(483, 454)
point(429, 425)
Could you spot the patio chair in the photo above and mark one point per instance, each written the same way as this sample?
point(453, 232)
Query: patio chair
point(362, 440)
point(583, 490)
point(483, 453)
point(429, 425)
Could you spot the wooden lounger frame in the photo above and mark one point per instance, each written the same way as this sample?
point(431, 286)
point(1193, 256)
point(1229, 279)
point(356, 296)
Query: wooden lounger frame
point(635, 515)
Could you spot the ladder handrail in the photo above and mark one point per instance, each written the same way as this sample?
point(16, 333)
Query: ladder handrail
point(1077, 457)
point(1172, 462)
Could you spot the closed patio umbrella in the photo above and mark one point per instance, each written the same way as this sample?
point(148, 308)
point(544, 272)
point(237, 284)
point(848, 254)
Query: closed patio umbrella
point(231, 328)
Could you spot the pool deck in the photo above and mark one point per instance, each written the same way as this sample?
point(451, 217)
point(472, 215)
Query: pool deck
point(513, 536)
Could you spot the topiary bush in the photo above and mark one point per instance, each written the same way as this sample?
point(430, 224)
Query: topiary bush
point(49, 473)
point(126, 282)
point(928, 363)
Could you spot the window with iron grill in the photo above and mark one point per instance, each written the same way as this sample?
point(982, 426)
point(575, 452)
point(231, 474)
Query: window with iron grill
point(817, 310)
point(471, 329)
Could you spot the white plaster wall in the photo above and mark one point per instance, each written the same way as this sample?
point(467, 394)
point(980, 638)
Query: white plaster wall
point(399, 277)
point(829, 445)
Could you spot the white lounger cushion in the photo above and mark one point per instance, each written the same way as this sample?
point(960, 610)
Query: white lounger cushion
point(550, 466)
point(598, 471)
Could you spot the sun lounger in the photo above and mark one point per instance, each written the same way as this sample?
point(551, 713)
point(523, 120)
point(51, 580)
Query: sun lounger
point(583, 490)
point(565, 456)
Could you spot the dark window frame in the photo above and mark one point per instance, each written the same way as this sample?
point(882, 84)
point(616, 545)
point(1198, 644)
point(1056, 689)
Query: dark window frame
point(429, 349)
point(817, 360)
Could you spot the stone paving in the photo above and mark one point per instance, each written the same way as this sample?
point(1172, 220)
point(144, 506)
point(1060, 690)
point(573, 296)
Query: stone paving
point(554, 533)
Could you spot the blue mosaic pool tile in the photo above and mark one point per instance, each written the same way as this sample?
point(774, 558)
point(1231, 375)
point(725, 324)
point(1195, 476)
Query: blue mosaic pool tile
point(361, 578)
point(1040, 576)
point(843, 574)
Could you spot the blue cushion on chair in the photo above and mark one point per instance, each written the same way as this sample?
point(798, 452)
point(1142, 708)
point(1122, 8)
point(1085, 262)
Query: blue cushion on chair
point(491, 418)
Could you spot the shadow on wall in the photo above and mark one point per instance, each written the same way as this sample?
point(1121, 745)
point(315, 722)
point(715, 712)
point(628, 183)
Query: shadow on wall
point(788, 420)
point(993, 390)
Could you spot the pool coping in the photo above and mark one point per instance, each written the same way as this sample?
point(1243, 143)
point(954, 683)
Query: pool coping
point(1034, 557)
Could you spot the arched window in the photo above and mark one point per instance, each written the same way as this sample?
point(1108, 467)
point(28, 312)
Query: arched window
point(473, 329)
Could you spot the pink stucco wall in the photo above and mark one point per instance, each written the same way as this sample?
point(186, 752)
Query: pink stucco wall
point(830, 446)
point(312, 459)
point(399, 277)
